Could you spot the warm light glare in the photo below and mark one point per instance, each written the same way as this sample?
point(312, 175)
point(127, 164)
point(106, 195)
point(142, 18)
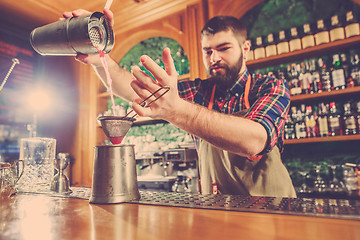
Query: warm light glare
point(39, 100)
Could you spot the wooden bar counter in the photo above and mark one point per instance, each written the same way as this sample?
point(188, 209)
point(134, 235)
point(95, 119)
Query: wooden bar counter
point(40, 216)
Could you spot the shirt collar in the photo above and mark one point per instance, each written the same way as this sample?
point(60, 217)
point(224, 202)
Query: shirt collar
point(239, 85)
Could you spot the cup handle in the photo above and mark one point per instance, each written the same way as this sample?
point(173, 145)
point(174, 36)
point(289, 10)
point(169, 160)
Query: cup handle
point(22, 169)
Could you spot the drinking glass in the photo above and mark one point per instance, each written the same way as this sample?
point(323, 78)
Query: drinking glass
point(38, 154)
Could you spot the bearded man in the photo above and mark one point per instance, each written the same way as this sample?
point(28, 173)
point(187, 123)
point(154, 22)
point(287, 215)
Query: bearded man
point(237, 117)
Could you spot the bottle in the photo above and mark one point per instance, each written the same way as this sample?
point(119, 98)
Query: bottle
point(337, 31)
point(294, 80)
point(310, 123)
point(300, 128)
point(323, 120)
point(304, 78)
point(355, 68)
point(295, 42)
point(270, 49)
point(349, 120)
point(345, 64)
point(358, 117)
point(283, 44)
point(322, 35)
point(289, 129)
point(308, 39)
point(315, 83)
point(334, 121)
point(352, 27)
point(259, 50)
point(325, 76)
point(337, 73)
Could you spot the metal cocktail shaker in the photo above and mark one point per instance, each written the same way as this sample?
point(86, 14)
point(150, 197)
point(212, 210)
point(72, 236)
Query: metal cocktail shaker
point(84, 34)
point(114, 174)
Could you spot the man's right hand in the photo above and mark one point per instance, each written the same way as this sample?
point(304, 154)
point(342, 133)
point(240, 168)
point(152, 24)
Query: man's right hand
point(92, 59)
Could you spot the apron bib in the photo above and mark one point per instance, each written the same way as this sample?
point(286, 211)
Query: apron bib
point(230, 173)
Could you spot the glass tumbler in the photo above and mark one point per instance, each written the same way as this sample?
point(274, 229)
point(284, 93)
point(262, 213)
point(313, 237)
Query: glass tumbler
point(38, 155)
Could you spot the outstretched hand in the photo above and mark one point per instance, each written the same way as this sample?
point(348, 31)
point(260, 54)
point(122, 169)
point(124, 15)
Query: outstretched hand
point(144, 86)
point(92, 59)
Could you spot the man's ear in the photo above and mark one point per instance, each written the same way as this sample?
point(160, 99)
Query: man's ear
point(246, 49)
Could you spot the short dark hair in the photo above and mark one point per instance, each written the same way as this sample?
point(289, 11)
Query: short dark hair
point(224, 23)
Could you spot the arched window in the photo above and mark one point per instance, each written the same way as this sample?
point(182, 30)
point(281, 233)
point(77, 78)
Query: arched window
point(154, 47)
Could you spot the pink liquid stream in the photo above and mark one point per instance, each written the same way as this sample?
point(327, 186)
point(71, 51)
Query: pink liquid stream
point(117, 139)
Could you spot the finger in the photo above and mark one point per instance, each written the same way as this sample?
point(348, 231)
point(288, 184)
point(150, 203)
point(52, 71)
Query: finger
point(67, 14)
point(110, 15)
point(141, 91)
point(141, 111)
point(169, 62)
point(144, 78)
point(158, 72)
point(80, 12)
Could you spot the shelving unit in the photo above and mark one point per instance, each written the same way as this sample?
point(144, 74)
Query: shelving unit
point(307, 53)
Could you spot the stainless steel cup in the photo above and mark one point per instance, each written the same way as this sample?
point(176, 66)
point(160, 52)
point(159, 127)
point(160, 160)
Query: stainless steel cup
point(114, 174)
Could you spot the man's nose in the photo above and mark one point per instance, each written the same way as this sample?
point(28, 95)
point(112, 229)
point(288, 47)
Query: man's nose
point(215, 57)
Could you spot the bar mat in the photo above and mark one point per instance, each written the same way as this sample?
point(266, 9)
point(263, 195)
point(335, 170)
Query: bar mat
point(333, 208)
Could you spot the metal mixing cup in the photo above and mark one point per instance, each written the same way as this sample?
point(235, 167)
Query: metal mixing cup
point(85, 34)
point(114, 174)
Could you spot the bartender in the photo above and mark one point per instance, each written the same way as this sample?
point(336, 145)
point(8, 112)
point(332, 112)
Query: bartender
point(239, 117)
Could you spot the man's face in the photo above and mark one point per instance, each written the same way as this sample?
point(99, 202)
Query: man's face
point(223, 57)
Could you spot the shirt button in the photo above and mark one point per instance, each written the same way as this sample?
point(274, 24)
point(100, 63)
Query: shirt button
point(236, 95)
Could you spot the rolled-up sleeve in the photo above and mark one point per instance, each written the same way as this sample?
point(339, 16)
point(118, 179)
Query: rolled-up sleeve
point(270, 110)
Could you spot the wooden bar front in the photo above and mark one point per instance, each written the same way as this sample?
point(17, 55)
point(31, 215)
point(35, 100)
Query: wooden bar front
point(39, 216)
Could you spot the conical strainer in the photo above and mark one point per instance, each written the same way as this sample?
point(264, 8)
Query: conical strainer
point(116, 127)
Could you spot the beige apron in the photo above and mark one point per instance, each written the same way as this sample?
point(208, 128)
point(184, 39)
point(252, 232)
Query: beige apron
point(237, 175)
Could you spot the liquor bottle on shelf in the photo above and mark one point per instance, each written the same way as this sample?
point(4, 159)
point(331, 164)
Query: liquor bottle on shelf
point(355, 68)
point(295, 42)
point(345, 64)
point(322, 34)
point(357, 103)
point(297, 116)
point(289, 129)
point(304, 78)
point(295, 84)
point(334, 121)
point(259, 49)
point(308, 39)
point(283, 44)
point(337, 73)
point(323, 120)
point(270, 49)
point(315, 86)
point(300, 127)
point(325, 76)
point(349, 120)
point(310, 122)
point(352, 26)
point(337, 31)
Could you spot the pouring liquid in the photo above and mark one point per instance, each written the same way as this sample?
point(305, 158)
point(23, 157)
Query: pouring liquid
point(116, 140)
point(108, 78)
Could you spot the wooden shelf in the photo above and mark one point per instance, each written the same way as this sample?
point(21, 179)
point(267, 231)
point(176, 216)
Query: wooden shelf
point(323, 139)
point(323, 95)
point(304, 53)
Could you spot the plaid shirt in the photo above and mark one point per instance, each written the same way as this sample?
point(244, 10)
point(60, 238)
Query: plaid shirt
point(269, 100)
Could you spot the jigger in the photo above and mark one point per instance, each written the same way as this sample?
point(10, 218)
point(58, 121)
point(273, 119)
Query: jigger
point(60, 183)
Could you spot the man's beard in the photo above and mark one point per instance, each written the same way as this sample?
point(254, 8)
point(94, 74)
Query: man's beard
point(231, 74)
